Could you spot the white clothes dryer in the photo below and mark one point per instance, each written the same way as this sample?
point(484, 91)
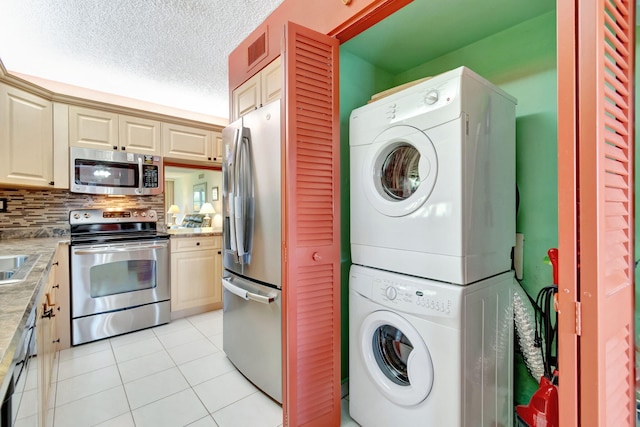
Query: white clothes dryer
point(433, 180)
point(426, 353)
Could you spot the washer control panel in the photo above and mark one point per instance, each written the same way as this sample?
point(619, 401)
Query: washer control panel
point(412, 296)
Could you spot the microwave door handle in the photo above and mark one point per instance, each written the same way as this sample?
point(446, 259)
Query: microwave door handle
point(140, 176)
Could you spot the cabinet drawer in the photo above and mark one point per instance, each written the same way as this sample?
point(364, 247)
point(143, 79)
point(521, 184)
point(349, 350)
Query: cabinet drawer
point(195, 243)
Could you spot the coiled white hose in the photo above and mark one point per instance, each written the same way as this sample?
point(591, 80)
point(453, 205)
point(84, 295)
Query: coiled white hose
point(524, 320)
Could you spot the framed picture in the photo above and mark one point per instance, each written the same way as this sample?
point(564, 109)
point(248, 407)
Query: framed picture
point(199, 196)
point(214, 194)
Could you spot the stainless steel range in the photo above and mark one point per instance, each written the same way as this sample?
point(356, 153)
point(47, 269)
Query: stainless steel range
point(119, 273)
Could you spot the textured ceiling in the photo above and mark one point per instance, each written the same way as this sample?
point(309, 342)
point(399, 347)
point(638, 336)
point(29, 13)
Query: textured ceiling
point(169, 52)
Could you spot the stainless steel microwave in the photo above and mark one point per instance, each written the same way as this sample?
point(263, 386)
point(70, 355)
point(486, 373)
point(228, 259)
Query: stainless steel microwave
point(114, 172)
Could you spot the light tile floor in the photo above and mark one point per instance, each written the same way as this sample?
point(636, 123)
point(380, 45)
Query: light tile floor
point(169, 376)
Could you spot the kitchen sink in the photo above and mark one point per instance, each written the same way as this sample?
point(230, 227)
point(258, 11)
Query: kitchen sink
point(15, 268)
point(12, 262)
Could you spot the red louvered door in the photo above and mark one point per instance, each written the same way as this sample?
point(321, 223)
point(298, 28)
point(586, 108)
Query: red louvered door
point(311, 209)
point(597, 273)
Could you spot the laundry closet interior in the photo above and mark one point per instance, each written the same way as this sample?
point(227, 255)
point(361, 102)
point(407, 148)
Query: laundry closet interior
point(514, 47)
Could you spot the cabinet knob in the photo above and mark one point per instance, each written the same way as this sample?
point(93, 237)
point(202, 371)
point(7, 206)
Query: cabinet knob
point(52, 183)
point(219, 252)
point(123, 148)
point(209, 158)
point(197, 243)
point(316, 256)
point(115, 147)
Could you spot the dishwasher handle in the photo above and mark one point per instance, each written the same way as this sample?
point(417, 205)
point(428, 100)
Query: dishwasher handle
point(244, 294)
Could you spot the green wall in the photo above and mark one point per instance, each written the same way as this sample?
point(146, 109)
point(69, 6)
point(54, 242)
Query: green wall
point(522, 61)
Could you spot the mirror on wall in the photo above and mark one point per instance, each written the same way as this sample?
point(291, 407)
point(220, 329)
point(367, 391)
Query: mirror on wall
point(190, 191)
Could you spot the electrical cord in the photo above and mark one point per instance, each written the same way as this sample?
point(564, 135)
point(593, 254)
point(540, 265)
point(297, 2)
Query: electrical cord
point(546, 328)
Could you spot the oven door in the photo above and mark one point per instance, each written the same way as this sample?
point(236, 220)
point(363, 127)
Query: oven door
point(111, 277)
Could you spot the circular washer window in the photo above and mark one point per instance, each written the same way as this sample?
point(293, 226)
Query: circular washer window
point(396, 358)
point(400, 170)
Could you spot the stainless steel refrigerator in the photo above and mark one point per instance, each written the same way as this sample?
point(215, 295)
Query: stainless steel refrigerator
point(251, 198)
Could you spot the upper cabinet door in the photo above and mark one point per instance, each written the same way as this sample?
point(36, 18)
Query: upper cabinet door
point(26, 138)
point(102, 130)
point(93, 129)
point(247, 97)
point(187, 143)
point(271, 81)
point(262, 88)
point(139, 135)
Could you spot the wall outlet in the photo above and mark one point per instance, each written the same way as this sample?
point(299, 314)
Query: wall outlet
point(518, 255)
point(3, 205)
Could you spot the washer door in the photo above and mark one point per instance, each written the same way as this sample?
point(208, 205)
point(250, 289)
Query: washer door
point(400, 170)
point(396, 358)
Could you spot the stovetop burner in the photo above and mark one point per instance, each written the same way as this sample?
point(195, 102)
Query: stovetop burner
point(111, 225)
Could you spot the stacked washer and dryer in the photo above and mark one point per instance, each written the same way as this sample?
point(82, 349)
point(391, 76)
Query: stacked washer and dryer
point(432, 228)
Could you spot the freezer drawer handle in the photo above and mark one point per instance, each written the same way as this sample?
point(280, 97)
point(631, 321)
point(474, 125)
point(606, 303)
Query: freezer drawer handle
point(244, 294)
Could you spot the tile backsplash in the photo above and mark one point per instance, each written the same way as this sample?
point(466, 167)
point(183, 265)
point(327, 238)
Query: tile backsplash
point(45, 213)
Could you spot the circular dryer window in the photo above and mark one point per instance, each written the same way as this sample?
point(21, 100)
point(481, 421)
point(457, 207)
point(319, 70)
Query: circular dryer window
point(400, 170)
point(396, 358)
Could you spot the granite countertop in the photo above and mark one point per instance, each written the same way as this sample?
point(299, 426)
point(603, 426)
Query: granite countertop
point(17, 300)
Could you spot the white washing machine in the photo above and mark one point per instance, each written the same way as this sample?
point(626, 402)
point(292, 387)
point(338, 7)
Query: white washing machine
point(425, 353)
point(433, 180)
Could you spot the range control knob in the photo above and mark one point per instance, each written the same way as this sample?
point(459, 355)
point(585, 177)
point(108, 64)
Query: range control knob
point(76, 215)
point(391, 293)
point(431, 97)
point(87, 215)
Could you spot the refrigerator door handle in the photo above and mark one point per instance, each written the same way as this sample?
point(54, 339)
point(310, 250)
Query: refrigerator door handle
point(244, 200)
point(232, 192)
point(244, 294)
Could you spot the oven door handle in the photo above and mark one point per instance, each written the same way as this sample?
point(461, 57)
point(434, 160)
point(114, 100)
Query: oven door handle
point(117, 250)
point(244, 294)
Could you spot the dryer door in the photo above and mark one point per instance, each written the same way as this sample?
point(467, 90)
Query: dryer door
point(400, 170)
point(396, 358)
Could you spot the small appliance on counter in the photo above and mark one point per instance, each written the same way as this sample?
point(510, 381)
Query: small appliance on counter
point(120, 278)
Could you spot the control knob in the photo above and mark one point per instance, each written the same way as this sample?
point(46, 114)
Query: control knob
point(391, 293)
point(431, 97)
point(87, 215)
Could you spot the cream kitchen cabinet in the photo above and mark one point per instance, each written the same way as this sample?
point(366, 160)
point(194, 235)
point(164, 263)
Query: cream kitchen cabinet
point(187, 143)
point(263, 87)
point(196, 271)
point(217, 147)
point(104, 130)
point(26, 140)
point(51, 326)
